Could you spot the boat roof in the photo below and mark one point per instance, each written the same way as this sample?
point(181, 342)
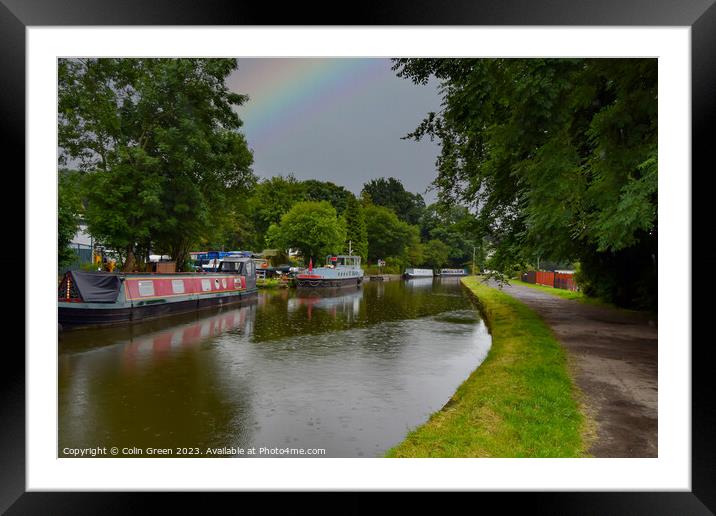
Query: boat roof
point(237, 258)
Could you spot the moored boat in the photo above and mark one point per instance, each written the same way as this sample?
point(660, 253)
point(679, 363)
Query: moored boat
point(418, 273)
point(99, 298)
point(339, 271)
point(453, 272)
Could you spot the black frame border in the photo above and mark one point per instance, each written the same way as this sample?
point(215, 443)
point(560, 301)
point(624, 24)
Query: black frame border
point(699, 15)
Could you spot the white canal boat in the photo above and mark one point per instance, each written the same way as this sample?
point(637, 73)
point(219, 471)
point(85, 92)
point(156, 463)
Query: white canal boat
point(453, 272)
point(418, 273)
point(339, 271)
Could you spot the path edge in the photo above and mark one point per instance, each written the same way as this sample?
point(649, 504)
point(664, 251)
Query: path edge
point(587, 430)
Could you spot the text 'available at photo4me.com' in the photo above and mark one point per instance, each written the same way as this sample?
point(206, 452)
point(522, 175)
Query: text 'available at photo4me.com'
point(224, 451)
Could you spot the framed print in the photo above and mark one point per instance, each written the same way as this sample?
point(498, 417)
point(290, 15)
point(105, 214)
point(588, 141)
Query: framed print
point(418, 252)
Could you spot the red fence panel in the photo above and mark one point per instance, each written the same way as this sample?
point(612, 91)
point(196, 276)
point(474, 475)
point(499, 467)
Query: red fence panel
point(564, 281)
point(529, 277)
point(545, 278)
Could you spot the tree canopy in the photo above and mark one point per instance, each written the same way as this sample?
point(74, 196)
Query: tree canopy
point(390, 193)
point(387, 234)
point(558, 159)
point(356, 229)
point(338, 196)
point(313, 228)
point(160, 141)
point(436, 254)
point(69, 209)
point(454, 226)
point(271, 199)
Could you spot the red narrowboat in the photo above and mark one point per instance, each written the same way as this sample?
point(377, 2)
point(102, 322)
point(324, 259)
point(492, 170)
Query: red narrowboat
point(100, 298)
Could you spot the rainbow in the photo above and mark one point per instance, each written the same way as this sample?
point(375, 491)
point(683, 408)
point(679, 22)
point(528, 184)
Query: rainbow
point(284, 93)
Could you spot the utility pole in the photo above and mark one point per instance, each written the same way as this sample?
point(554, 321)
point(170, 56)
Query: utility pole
point(473, 260)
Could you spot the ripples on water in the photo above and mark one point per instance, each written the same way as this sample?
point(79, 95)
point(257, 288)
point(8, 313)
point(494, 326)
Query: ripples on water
point(350, 371)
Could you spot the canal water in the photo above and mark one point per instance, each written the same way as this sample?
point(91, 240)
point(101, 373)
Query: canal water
point(349, 372)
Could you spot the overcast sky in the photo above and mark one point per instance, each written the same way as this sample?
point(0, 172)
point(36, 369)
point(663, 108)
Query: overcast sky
point(338, 120)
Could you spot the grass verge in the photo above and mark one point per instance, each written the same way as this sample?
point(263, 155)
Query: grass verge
point(270, 283)
point(520, 402)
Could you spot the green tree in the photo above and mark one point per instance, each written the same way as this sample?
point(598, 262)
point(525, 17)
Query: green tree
point(415, 252)
point(388, 236)
point(338, 196)
point(436, 254)
point(272, 199)
point(313, 228)
point(557, 157)
point(453, 225)
point(69, 210)
point(160, 139)
point(391, 193)
point(356, 229)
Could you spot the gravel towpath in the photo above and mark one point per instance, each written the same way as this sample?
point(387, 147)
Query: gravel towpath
point(613, 354)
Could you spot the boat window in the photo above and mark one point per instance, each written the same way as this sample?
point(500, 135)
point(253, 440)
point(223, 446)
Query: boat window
point(178, 286)
point(146, 288)
point(216, 283)
point(231, 267)
point(205, 285)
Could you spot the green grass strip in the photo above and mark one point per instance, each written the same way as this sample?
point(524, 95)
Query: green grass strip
point(269, 283)
point(520, 402)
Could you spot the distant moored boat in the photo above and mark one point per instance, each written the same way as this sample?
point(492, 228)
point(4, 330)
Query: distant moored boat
point(418, 273)
point(453, 272)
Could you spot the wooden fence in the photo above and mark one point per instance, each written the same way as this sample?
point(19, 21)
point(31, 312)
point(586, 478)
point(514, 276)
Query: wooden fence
point(550, 279)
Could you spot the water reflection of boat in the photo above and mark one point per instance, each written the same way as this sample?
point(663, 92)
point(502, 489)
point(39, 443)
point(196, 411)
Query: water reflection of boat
point(414, 283)
point(182, 327)
point(190, 334)
point(331, 300)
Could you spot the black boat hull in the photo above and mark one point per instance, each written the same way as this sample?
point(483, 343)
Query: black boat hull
point(328, 283)
point(71, 317)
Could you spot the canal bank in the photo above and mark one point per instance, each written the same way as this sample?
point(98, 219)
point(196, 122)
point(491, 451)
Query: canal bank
point(384, 277)
point(520, 402)
point(614, 353)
